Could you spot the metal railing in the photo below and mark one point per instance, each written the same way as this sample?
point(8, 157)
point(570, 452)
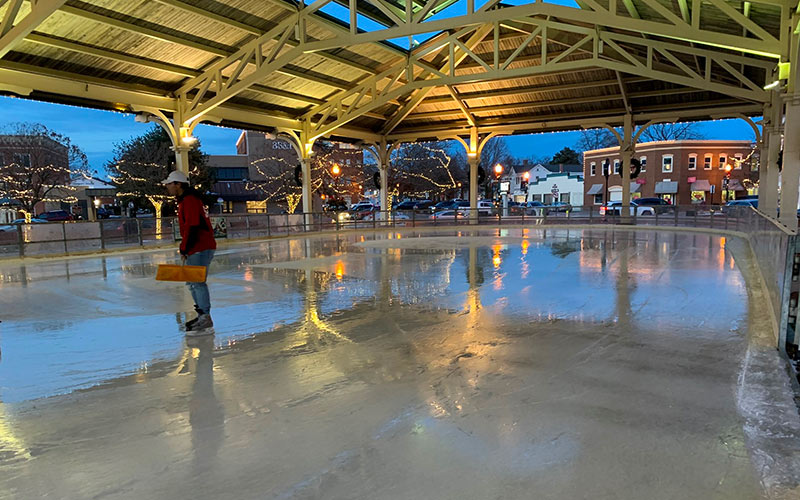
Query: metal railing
point(65, 238)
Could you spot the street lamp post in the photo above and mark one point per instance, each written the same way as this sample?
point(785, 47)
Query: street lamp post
point(726, 181)
point(498, 171)
point(335, 173)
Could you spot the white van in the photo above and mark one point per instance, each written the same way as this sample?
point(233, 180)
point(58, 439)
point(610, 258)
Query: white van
point(485, 207)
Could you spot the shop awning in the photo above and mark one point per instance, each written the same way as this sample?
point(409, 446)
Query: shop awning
point(667, 187)
point(735, 185)
point(635, 186)
point(595, 189)
point(701, 185)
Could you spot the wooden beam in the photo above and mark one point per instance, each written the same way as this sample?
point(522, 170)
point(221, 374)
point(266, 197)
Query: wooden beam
point(461, 105)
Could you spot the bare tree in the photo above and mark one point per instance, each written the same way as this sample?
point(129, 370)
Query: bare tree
point(596, 138)
point(41, 167)
point(671, 132)
point(495, 151)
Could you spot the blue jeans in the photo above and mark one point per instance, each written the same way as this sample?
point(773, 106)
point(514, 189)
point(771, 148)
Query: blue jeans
point(200, 290)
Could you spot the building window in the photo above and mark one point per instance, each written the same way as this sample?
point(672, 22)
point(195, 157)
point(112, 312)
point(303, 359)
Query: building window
point(230, 174)
point(593, 168)
point(616, 166)
point(643, 161)
point(692, 162)
point(598, 199)
point(256, 207)
point(738, 162)
point(22, 159)
point(707, 162)
point(537, 197)
point(722, 159)
point(564, 197)
point(666, 163)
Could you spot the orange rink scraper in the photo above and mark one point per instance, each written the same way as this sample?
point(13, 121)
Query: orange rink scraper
point(174, 272)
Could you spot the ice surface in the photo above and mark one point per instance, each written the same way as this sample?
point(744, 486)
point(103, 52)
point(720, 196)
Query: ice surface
point(492, 364)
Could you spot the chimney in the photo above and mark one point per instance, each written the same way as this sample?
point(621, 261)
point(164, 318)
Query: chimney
point(524, 162)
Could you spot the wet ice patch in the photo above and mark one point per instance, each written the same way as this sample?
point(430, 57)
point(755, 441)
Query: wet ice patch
point(772, 423)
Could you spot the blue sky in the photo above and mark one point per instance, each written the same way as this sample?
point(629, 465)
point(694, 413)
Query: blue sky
point(96, 132)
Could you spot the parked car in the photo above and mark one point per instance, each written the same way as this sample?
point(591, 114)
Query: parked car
point(17, 222)
point(747, 202)
point(615, 208)
point(448, 215)
point(660, 206)
point(362, 205)
point(423, 204)
point(443, 205)
point(535, 208)
point(335, 206)
point(405, 205)
point(734, 206)
point(559, 206)
point(485, 207)
point(55, 216)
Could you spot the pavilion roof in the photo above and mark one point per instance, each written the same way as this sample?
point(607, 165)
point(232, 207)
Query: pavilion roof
point(130, 55)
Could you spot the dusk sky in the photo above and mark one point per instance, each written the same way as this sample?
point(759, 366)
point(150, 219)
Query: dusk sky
point(96, 132)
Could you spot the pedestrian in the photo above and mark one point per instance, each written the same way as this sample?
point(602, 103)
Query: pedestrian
point(197, 244)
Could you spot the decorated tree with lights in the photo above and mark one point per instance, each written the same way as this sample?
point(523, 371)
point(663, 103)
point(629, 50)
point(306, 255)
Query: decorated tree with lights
point(42, 167)
point(276, 179)
point(426, 169)
point(141, 163)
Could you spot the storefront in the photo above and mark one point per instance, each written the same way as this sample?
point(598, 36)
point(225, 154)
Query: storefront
point(701, 190)
point(667, 191)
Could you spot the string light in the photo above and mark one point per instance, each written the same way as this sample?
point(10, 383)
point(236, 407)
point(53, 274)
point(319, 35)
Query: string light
point(33, 184)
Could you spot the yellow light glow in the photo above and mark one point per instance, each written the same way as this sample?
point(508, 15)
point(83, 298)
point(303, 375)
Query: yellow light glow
point(498, 169)
point(525, 245)
point(339, 270)
point(496, 259)
point(186, 136)
point(526, 175)
point(335, 170)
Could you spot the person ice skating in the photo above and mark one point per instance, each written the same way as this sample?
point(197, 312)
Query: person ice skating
point(197, 244)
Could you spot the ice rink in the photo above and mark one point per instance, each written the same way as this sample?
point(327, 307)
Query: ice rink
point(443, 364)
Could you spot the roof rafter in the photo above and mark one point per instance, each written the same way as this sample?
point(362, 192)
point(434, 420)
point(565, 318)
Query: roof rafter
point(11, 34)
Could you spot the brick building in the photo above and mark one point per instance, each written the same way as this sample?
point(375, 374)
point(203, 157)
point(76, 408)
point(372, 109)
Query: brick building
point(24, 152)
point(682, 172)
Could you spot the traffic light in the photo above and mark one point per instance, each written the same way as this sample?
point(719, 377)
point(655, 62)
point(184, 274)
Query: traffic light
point(606, 168)
point(524, 184)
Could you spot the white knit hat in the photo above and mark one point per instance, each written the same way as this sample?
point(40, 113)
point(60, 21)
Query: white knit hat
point(176, 176)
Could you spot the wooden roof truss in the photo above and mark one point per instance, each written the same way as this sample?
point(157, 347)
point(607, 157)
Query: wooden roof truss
point(721, 47)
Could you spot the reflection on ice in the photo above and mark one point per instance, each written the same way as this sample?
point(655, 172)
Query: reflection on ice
point(106, 316)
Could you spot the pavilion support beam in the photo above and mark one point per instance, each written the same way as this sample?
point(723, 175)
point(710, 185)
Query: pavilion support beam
point(11, 34)
point(769, 153)
point(790, 173)
point(474, 147)
point(627, 148)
